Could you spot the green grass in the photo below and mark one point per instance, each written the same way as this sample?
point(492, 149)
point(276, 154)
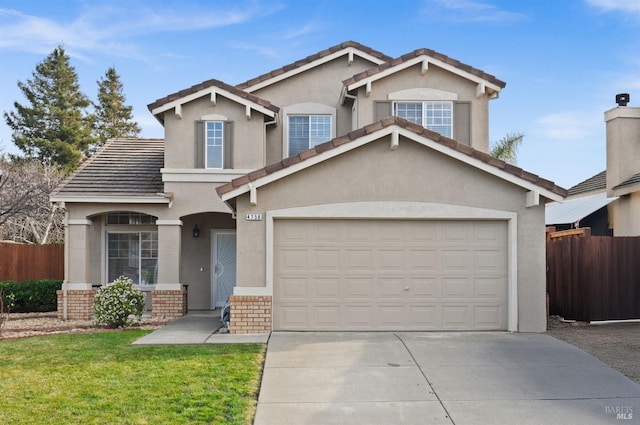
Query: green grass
point(101, 379)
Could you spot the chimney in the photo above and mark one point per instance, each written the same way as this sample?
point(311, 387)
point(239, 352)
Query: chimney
point(623, 143)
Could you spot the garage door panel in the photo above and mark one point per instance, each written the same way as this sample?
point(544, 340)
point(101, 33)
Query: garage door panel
point(293, 260)
point(357, 316)
point(294, 289)
point(324, 259)
point(357, 260)
point(424, 288)
point(392, 289)
point(324, 289)
point(487, 317)
point(457, 288)
point(390, 275)
point(325, 316)
point(357, 289)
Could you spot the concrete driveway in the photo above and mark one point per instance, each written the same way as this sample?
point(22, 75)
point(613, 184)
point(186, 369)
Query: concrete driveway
point(439, 378)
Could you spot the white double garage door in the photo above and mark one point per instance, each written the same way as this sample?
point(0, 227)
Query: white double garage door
point(340, 275)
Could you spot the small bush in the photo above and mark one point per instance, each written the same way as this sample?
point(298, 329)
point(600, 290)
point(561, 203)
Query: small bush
point(6, 303)
point(116, 302)
point(33, 295)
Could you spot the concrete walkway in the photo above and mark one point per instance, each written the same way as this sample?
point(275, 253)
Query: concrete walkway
point(439, 378)
point(200, 327)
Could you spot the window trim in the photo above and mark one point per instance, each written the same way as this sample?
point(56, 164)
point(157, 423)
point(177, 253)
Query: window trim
point(308, 108)
point(206, 146)
point(424, 112)
point(138, 232)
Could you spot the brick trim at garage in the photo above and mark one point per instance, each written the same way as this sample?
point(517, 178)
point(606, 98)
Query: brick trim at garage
point(250, 314)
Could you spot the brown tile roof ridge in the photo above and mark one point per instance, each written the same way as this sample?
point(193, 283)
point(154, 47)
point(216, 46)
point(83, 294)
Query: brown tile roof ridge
point(213, 83)
point(428, 52)
point(122, 166)
point(311, 58)
point(379, 125)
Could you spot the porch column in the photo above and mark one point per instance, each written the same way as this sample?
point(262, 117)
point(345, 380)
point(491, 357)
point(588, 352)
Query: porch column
point(169, 299)
point(75, 299)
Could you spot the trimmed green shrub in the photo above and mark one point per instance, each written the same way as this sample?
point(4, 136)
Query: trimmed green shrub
point(33, 295)
point(116, 302)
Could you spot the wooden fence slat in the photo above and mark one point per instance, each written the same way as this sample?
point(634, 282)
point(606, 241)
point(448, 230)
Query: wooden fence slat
point(594, 277)
point(21, 262)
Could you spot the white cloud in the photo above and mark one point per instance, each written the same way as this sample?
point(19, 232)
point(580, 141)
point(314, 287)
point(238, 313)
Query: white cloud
point(632, 6)
point(113, 29)
point(468, 11)
point(568, 125)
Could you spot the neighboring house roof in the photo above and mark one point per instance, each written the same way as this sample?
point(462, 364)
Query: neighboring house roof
point(126, 170)
point(211, 87)
point(592, 184)
point(633, 180)
point(424, 56)
point(379, 129)
point(312, 61)
point(574, 210)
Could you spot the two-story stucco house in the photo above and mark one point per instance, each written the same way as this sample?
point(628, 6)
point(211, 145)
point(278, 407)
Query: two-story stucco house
point(345, 191)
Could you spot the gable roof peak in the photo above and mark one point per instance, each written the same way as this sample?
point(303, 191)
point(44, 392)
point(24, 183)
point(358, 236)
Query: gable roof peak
point(410, 58)
point(295, 67)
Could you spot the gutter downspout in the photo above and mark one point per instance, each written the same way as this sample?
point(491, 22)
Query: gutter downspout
point(65, 315)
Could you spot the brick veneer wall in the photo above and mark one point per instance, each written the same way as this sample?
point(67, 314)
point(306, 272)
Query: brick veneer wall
point(79, 304)
point(168, 304)
point(250, 314)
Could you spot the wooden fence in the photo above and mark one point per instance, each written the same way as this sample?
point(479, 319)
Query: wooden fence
point(594, 277)
point(25, 262)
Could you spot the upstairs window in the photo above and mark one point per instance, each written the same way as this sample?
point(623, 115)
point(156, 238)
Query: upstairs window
point(307, 131)
point(435, 116)
point(214, 144)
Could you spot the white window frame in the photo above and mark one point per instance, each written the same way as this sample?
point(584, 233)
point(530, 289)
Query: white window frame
point(206, 144)
point(424, 104)
point(138, 232)
point(310, 117)
point(305, 109)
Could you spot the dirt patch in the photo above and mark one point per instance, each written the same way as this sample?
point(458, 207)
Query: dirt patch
point(22, 325)
point(616, 344)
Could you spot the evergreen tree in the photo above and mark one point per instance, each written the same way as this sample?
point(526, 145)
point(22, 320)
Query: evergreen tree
point(113, 117)
point(54, 127)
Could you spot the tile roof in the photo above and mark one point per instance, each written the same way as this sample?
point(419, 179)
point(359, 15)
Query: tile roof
point(122, 167)
point(597, 182)
point(379, 125)
point(634, 179)
point(431, 53)
point(314, 57)
point(213, 83)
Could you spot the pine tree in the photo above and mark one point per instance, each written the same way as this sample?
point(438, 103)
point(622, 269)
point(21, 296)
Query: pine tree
point(54, 127)
point(113, 116)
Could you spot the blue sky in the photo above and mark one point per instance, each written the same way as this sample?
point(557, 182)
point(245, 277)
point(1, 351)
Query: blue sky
point(563, 61)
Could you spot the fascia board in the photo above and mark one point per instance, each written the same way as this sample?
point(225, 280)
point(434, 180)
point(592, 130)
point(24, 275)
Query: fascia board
point(208, 91)
point(417, 60)
point(111, 199)
point(518, 181)
point(312, 65)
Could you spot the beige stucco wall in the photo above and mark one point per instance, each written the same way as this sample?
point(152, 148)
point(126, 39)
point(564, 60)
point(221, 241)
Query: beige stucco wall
point(435, 78)
point(411, 173)
point(624, 214)
point(248, 134)
point(322, 85)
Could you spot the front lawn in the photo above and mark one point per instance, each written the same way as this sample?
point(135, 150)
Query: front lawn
point(100, 379)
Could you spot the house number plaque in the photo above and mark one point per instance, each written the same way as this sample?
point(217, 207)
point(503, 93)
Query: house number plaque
point(254, 217)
